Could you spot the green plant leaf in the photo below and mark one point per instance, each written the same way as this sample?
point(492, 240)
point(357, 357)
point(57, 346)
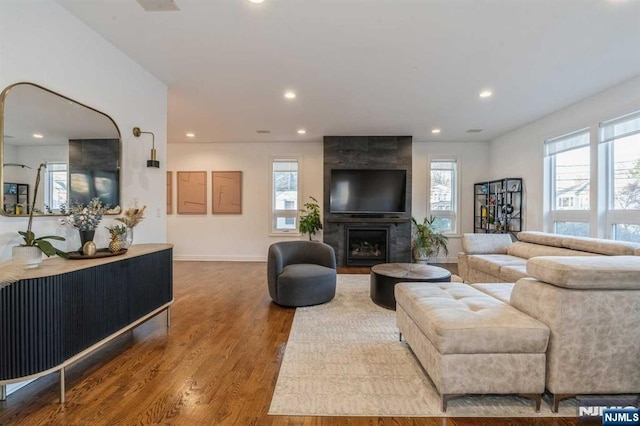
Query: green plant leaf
point(46, 247)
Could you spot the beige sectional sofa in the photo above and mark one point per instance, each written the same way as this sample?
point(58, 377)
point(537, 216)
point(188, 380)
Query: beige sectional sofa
point(590, 306)
point(497, 258)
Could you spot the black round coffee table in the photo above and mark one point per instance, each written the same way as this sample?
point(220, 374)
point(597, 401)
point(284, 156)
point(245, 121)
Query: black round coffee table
point(385, 276)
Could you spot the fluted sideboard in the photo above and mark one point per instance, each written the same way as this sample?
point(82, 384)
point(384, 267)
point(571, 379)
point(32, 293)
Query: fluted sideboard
point(65, 309)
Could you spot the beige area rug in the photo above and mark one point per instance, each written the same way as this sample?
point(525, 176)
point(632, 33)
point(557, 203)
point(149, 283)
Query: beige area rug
point(343, 358)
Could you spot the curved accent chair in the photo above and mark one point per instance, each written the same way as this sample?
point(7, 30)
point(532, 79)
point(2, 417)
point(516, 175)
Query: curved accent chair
point(301, 273)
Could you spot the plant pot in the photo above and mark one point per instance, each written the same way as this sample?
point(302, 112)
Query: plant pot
point(85, 236)
point(28, 256)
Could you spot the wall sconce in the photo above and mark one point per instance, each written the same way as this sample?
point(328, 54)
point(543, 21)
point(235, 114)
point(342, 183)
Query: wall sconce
point(153, 162)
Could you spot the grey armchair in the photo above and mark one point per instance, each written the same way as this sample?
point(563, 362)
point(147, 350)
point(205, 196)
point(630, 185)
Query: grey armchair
point(301, 273)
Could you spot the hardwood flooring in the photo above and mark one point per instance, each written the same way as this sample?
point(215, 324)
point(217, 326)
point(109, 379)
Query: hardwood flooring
point(216, 365)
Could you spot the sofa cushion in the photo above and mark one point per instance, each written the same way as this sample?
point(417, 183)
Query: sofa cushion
point(587, 272)
point(512, 273)
point(600, 246)
point(541, 238)
point(529, 250)
point(485, 243)
point(459, 319)
point(501, 291)
point(491, 263)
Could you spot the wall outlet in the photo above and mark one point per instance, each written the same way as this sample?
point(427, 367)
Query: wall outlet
point(158, 212)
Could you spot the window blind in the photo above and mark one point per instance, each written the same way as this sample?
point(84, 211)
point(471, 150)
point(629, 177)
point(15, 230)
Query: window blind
point(566, 143)
point(620, 127)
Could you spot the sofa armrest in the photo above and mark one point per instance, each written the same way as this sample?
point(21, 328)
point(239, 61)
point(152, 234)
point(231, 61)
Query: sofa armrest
point(486, 243)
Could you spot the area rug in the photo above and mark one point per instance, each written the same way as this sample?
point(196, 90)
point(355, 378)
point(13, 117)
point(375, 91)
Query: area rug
point(344, 358)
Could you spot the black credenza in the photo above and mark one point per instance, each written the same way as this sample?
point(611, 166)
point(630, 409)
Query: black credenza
point(68, 308)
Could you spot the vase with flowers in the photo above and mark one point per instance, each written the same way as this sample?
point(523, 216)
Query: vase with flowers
point(86, 219)
point(29, 254)
point(132, 217)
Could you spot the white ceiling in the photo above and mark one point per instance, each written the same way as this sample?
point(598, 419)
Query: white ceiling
point(371, 67)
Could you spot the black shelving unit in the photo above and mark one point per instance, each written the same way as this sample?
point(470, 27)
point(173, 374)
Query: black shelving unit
point(16, 197)
point(498, 206)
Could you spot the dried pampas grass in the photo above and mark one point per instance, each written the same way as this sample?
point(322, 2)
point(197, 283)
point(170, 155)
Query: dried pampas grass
point(10, 272)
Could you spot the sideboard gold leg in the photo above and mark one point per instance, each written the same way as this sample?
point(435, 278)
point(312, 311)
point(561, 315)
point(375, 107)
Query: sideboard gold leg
point(3, 392)
point(63, 397)
point(169, 317)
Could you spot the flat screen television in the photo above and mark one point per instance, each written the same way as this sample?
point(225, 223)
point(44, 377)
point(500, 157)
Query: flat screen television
point(368, 191)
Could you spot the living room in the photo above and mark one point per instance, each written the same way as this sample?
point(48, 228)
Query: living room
point(43, 42)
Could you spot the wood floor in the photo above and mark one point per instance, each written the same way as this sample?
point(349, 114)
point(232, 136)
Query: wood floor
point(216, 365)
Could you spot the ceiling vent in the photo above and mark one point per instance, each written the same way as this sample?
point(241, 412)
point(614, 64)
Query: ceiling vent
point(263, 132)
point(159, 5)
point(474, 130)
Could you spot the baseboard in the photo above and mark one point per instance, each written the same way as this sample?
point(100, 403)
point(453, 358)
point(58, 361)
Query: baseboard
point(15, 386)
point(219, 258)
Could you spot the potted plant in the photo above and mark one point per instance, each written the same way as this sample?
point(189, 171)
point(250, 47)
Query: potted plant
point(310, 221)
point(427, 241)
point(30, 252)
point(116, 231)
point(86, 219)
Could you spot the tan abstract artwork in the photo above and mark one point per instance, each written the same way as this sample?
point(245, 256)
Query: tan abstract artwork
point(192, 192)
point(169, 192)
point(226, 192)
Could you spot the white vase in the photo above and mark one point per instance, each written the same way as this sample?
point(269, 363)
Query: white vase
point(28, 256)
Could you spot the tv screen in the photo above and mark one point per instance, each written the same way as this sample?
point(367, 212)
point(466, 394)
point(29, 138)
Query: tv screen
point(368, 191)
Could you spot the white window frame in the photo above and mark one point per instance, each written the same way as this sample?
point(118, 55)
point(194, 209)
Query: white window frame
point(453, 215)
point(606, 139)
point(554, 215)
point(48, 184)
point(275, 214)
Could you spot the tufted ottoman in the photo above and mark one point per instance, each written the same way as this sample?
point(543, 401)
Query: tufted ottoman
point(471, 343)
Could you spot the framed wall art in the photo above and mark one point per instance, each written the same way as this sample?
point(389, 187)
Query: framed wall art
point(226, 195)
point(192, 192)
point(169, 192)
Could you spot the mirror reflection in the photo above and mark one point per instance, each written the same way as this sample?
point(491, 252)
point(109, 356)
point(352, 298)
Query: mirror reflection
point(80, 145)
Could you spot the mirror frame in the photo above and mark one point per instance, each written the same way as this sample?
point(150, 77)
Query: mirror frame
point(3, 97)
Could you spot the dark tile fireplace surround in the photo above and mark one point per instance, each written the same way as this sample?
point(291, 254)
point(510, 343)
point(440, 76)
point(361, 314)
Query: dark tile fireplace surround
point(355, 237)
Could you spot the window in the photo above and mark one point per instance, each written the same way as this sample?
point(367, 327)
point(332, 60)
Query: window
point(285, 195)
point(569, 171)
point(55, 185)
point(621, 137)
point(443, 194)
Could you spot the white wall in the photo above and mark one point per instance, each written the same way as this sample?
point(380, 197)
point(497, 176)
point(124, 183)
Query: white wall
point(245, 236)
point(520, 152)
point(40, 42)
point(473, 158)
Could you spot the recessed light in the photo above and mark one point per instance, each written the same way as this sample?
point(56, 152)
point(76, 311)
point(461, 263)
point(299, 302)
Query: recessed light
point(263, 132)
point(486, 94)
point(256, 1)
point(37, 135)
point(191, 135)
point(435, 131)
point(290, 95)
point(302, 131)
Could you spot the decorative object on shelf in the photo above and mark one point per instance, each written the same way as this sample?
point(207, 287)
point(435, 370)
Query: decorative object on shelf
point(132, 217)
point(426, 240)
point(99, 253)
point(116, 232)
point(153, 162)
point(310, 221)
point(89, 248)
point(29, 254)
point(86, 219)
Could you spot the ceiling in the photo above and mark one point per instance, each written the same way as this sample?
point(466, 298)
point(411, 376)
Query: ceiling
point(371, 67)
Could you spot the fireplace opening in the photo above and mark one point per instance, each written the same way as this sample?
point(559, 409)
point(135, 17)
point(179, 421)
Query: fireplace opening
point(366, 246)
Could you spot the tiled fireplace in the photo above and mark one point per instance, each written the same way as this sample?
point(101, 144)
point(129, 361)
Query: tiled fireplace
point(366, 246)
